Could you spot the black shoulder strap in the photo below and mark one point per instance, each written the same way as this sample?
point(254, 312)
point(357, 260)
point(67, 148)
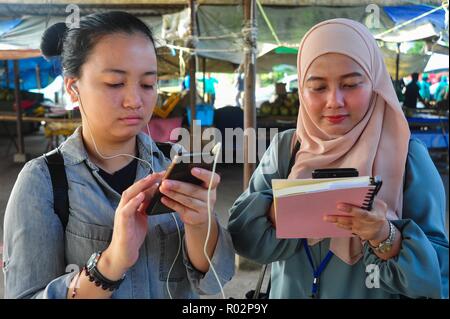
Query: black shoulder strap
point(55, 163)
point(292, 160)
point(257, 294)
point(165, 148)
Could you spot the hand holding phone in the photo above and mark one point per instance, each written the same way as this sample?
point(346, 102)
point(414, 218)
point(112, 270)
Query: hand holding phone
point(180, 170)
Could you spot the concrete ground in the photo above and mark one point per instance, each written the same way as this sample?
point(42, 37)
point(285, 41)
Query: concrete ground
point(246, 276)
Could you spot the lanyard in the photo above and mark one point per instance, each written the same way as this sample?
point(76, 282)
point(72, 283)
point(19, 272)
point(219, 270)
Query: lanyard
point(318, 271)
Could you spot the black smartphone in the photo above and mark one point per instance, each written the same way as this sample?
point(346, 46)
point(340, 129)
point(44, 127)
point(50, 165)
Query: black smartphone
point(180, 170)
point(335, 172)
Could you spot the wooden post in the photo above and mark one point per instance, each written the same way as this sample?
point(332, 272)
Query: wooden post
point(6, 65)
point(204, 80)
point(38, 77)
point(19, 157)
point(250, 76)
point(249, 105)
point(192, 68)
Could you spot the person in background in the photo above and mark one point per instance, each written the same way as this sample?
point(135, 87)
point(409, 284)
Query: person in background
point(186, 82)
point(412, 93)
point(441, 89)
point(239, 86)
point(424, 86)
point(349, 117)
point(210, 88)
point(443, 104)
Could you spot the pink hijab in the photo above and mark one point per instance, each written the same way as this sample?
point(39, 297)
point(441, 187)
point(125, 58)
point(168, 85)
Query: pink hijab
point(377, 145)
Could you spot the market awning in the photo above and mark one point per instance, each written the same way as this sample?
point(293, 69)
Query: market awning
point(220, 29)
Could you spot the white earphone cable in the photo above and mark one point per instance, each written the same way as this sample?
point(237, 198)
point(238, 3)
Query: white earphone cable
point(176, 257)
point(216, 151)
point(118, 155)
point(217, 147)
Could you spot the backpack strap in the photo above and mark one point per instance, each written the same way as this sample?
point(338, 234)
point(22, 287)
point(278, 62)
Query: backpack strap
point(293, 154)
point(55, 163)
point(165, 148)
point(257, 294)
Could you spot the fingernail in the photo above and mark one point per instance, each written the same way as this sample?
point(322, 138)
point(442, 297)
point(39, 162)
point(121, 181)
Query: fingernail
point(140, 197)
point(196, 170)
point(168, 184)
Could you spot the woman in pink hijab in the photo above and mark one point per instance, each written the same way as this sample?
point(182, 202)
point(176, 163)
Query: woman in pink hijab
point(350, 117)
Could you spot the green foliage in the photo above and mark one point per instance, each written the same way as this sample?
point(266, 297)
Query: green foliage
point(418, 47)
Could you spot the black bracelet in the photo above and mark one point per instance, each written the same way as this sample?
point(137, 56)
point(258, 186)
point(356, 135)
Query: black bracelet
point(104, 283)
point(97, 278)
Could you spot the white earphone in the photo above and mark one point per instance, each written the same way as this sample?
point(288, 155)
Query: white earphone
point(74, 88)
point(215, 152)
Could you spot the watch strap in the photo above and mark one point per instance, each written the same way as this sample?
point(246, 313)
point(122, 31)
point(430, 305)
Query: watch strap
point(387, 241)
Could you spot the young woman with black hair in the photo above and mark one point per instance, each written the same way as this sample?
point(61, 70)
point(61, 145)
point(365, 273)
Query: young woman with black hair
point(113, 170)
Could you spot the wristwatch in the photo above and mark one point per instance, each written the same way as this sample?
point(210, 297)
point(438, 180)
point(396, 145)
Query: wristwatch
point(386, 245)
point(97, 278)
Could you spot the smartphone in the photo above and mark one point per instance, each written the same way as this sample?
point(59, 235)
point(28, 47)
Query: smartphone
point(180, 170)
point(335, 172)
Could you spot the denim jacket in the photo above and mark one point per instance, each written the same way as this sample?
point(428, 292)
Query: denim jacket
point(40, 261)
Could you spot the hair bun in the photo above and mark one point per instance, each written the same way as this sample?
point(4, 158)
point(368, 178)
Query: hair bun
point(52, 40)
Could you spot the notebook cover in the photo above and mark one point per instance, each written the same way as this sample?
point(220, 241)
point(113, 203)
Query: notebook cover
point(301, 216)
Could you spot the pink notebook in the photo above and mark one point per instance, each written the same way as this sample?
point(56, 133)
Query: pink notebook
point(301, 215)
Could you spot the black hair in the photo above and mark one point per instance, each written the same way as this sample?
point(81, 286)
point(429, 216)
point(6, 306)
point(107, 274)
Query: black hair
point(415, 76)
point(75, 44)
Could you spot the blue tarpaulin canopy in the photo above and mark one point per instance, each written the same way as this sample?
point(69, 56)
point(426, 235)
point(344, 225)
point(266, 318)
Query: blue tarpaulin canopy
point(7, 25)
point(34, 73)
point(400, 14)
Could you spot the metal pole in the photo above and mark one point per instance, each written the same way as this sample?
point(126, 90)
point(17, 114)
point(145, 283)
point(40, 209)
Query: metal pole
point(192, 66)
point(397, 64)
point(249, 83)
point(19, 157)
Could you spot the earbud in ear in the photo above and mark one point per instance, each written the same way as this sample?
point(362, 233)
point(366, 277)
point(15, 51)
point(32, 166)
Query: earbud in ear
point(74, 88)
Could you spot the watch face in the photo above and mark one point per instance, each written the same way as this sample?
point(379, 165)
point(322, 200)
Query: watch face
point(386, 247)
point(92, 261)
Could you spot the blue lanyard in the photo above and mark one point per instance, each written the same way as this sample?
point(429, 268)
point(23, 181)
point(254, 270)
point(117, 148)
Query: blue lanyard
point(318, 271)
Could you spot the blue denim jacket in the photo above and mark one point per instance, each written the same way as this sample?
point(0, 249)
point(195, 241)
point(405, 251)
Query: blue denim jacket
point(40, 261)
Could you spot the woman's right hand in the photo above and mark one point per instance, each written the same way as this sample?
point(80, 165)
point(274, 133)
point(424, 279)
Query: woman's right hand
point(130, 228)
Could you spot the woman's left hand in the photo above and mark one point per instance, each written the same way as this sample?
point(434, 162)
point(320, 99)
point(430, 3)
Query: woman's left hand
point(368, 225)
point(189, 200)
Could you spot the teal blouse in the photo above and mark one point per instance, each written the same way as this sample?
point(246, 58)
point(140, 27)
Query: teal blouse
point(419, 270)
